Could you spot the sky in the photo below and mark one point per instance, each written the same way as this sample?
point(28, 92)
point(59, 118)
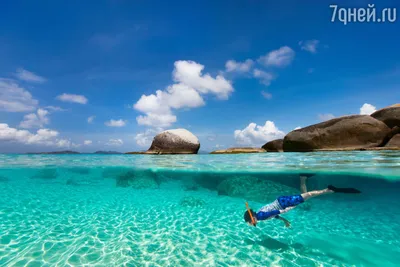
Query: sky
point(110, 75)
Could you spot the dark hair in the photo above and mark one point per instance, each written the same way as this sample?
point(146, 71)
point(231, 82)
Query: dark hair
point(247, 217)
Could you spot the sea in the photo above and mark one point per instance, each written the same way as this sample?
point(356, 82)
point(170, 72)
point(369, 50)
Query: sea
point(187, 210)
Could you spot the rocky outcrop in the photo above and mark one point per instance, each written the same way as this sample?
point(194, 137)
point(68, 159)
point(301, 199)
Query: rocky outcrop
point(274, 146)
point(239, 150)
point(389, 115)
point(348, 132)
point(177, 141)
point(394, 141)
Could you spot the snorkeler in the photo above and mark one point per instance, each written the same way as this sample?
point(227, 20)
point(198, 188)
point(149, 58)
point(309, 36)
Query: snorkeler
point(284, 204)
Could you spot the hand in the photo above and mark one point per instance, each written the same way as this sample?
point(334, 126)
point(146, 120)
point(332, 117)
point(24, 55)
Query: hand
point(287, 224)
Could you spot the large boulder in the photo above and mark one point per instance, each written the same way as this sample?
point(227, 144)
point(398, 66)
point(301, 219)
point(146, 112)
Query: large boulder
point(394, 141)
point(344, 133)
point(389, 115)
point(176, 141)
point(274, 146)
point(239, 150)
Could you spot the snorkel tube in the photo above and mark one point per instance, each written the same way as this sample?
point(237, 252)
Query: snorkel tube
point(253, 221)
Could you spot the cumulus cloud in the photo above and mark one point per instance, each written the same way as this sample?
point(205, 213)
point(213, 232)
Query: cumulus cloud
point(156, 120)
point(264, 77)
point(257, 135)
point(278, 58)
point(325, 117)
point(28, 76)
point(41, 137)
point(234, 66)
point(367, 109)
point(266, 95)
point(115, 123)
point(80, 99)
point(55, 108)
point(91, 119)
point(35, 120)
point(309, 45)
point(87, 142)
point(190, 84)
point(145, 139)
point(115, 142)
point(14, 98)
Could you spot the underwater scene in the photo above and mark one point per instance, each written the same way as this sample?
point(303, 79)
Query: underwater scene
point(187, 210)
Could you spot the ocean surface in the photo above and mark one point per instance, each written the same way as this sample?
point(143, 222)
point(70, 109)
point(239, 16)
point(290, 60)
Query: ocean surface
point(187, 210)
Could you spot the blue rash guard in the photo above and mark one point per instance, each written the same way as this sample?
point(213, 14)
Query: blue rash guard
point(272, 210)
point(269, 211)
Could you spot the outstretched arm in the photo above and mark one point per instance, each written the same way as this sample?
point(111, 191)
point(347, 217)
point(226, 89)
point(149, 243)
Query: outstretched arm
point(286, 210)
point(287, 223)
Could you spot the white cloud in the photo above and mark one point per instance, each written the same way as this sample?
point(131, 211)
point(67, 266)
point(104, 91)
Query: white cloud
point(14, 98)
point(35, 120)
point(115, 142)
point(91, 119)
point(156, 120)
point(264, 77)
point(278, 58)
point(54, 108)
point(266, 95)
point(234, 66)
point(298, 128)
point(87, 142)
point(367, 109)
point(115, 123)
point(325, 117)
point(28, 76)
point(190, 74)
point(185, 93)
point(257, 135)
point(63, 143)
point(42, 136)
point(80, 99)
point(145, 139)
point(309, 45)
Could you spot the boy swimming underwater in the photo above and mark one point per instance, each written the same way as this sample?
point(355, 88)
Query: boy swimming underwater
point(284, 204)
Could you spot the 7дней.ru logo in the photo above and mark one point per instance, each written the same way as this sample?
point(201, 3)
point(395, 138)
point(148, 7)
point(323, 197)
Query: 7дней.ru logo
point(369, 14)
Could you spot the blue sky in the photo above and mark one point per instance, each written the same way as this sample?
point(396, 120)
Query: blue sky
point(235, 73)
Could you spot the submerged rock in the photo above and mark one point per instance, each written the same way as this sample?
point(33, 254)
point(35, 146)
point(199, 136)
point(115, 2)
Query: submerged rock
point(348, 132)
point(137, 180)
point(192, 202)
point(176, 141)
point(46, 174)
point(253, 188)
point(274, 146)
point(389, 115)
point(239, 150)
point(256, 189)
point(3, 179)
point(79, 170)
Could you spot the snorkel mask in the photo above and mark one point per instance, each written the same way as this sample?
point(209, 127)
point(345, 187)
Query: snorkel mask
point(253, 221)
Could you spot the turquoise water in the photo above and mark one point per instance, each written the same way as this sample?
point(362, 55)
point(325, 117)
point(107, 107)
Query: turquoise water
point(146, 210)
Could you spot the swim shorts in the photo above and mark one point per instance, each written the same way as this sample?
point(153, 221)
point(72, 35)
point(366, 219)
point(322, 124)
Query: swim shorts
point(290, 201)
